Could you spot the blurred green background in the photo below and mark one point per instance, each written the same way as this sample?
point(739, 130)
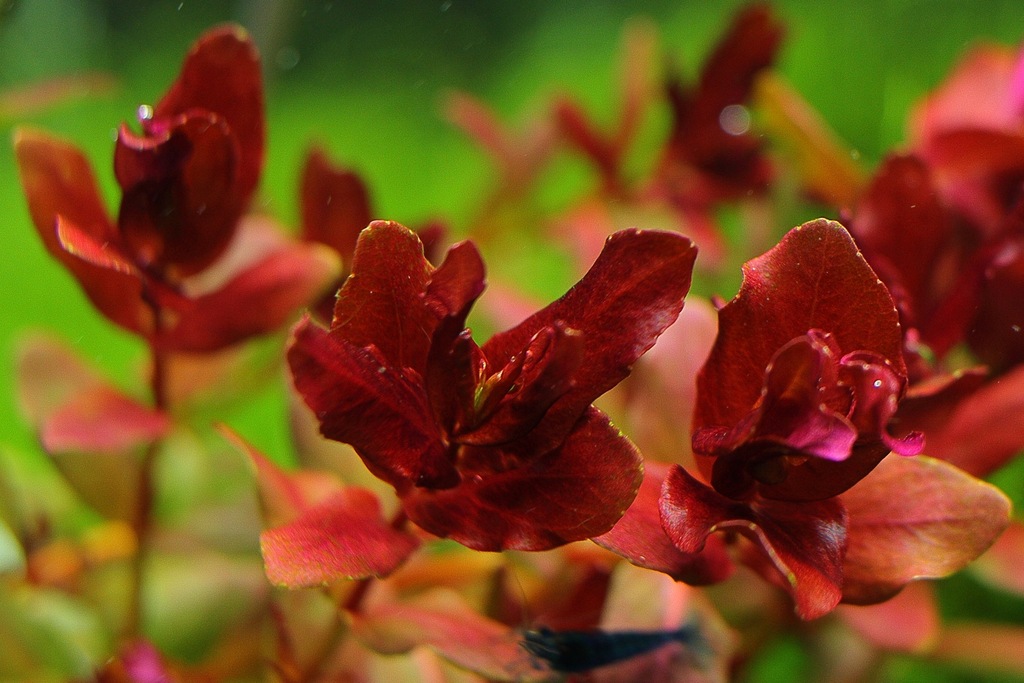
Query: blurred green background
point(367, 80)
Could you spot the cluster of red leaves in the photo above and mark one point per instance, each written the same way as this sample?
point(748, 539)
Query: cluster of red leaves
point(809, 413)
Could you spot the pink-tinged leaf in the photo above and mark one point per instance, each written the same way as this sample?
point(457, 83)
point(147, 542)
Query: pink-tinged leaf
point(799, 545)
point(629, 296)
point(577, 491)
point(344, 537)
point(640, 538)
point(660, 393)
point(443, 622)
point(180, 201)
point(335, 205)
point(982, 647)
point(222, 75)
point(143, 663)
point(916, 518)
point(259, 300)
point(382, 301)
point(102, 420)
point(815, 278)
point(59, 182)
point(914, 610)
point(49, 374)
point(361, 400)
point(983, 431)
point(978, 94)
point(1003, 564)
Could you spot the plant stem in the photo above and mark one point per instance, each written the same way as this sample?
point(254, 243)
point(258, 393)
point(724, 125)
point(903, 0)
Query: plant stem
point(145, 486)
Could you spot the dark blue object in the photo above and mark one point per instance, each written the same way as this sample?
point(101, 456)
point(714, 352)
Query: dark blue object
point(579, 651)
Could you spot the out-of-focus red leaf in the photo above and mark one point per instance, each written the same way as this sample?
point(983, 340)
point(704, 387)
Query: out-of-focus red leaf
point(320, 531)
point(907, 622)
point(20, 102)
point(335, 205)
point(984, 431)
point(628, 297)
point(814, 279)
point(983, 646)
point(259, 300)
point(381, 303)
point(904, 229)
point(102, 420)
point(362, 400)
point(1003, 564)
point(575, 492)
point(640, 538)
point(916, 518)
point(59, 182)
point(998, 326)
point(222, 75)
point(800, 544)
point(443, 622)
point(977, 94)
point(344, 537)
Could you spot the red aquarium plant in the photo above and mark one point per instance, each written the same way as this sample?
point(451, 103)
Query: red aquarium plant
point(793, 409)
point(496, 446)
point(186, 180)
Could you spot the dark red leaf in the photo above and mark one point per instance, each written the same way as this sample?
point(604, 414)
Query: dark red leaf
point(640, 538)
point(362, 400)
point(344, 537)
point(628, 297)
point(574, 492)
point(916, 518)
point(222, 75)
point(800, 544)
point(181, 203)
point(335, 205)
point(382, 302)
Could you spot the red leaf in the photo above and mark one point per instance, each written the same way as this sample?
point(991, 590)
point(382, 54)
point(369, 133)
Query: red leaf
point(800, 544)
point(335, 205)
point(222, 75)
point(916, 518)
point(381, 303)
point(344, 537)
point(362, 400)
point(258, 300)
point(101, 420)
point(59, 182)
point(813, 279)
point(629, 296)
point(575, 492)
point(640, 538)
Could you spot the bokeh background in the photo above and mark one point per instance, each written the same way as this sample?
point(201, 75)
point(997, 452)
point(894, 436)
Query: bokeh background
point(368, 79)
